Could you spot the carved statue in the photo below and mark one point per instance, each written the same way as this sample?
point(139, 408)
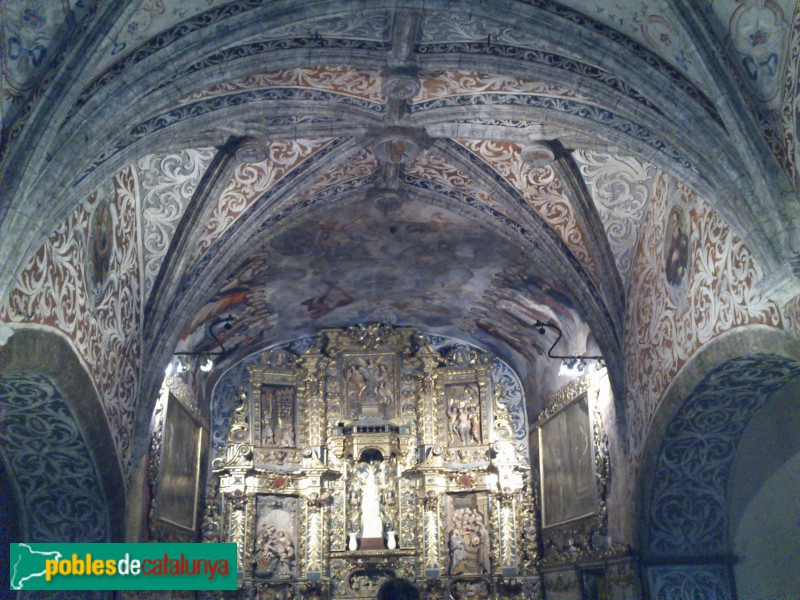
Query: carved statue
point(267, 550)
point(383, 384)
point(357, 383)
point(371, 523)
point(474, 425)
point(267, 434)
point(458, 552)
point(287, 437)
point(464, 422)
point(463, 426)
point(470, 590)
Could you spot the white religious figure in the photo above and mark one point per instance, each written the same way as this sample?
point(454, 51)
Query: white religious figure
point(371, 523)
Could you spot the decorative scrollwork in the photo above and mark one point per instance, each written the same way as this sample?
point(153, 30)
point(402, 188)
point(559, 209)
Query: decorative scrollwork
point(696, 457)
point(563, 397)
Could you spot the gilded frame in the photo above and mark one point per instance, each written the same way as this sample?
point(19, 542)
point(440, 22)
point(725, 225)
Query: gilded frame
point(568, 478)
point(176, 503)
point(272, 377)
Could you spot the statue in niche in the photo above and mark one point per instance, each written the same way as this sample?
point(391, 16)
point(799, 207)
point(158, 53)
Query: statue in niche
point(468, 543)
point(371, 522)
point(388, 507)
point(464, 424)
point(354, 512)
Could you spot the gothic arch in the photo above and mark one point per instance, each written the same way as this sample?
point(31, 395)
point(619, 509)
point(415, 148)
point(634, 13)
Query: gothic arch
point(57, 443)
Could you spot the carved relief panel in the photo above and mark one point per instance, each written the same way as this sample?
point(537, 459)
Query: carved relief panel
point(370, 386)
point(276, 536)
point(467, 534)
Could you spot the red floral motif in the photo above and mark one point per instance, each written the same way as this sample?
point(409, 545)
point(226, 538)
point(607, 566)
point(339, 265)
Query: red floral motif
point(664, 325)
point(105, 328)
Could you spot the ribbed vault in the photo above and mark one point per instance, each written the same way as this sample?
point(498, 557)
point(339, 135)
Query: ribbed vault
point(257, 134)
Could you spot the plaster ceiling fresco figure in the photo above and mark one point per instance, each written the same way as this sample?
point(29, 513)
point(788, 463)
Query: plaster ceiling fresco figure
point(508, 208)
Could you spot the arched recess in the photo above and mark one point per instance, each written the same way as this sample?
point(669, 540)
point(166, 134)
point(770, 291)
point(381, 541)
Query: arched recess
point(691, 452)
point(56, 444)
point(763, 491)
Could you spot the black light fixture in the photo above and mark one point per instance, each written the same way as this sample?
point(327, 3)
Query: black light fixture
point(570, 361)
point(227, 323)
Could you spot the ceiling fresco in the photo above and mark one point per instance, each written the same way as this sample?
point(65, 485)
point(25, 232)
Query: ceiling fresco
point(249, 181)
point(339, 79)
point(30, 32)
point(653, 25)
point(540, 188)
point(421, 263)
point(755, 35)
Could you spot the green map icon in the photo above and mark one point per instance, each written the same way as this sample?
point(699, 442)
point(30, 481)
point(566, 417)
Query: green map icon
point(27, 563)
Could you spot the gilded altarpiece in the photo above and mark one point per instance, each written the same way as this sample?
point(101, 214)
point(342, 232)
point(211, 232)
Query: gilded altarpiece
point(372, 455)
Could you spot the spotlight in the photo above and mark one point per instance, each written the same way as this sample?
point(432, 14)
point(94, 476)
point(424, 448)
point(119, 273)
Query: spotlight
point(182, 367)
point(207, 366)
point(568, 369)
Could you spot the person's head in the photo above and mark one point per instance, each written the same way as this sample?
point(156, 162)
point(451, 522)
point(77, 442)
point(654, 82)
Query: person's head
point(397, 589)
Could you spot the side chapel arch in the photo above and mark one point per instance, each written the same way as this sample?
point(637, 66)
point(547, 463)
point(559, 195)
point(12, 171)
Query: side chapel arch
point(44, 379)
point(687, 465)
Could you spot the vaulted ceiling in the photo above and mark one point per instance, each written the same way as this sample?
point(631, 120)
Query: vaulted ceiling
point(470, 168)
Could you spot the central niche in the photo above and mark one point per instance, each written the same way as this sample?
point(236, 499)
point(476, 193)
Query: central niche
point(372, 454)
point(373, 500)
